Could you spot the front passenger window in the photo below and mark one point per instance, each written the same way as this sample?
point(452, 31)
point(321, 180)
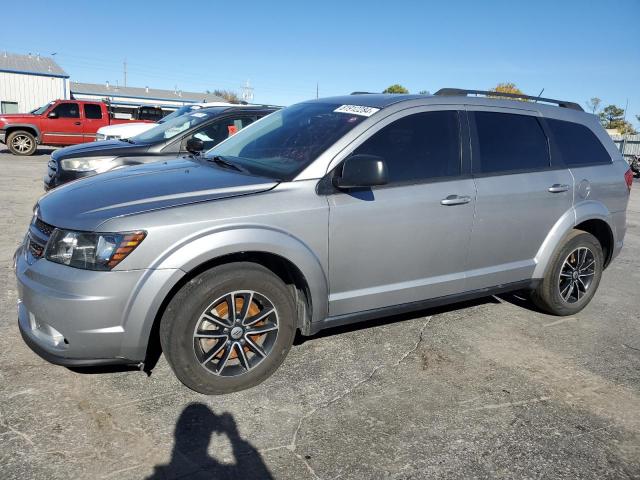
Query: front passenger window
point(418, 147)
point(67, 110)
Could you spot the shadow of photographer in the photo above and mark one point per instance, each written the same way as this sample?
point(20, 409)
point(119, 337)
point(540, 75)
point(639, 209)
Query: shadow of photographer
point(190, 457)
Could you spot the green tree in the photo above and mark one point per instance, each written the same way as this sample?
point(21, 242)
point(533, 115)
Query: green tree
point(395, 88)
point(612, 117)
point(593, 104)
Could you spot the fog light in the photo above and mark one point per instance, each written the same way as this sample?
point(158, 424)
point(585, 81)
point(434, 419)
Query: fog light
point(46, 332)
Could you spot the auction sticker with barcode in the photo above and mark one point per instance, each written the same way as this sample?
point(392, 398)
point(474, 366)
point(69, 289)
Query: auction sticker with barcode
point(357, 110)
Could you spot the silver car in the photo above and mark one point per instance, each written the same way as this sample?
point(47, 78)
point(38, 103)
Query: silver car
point(325, 213)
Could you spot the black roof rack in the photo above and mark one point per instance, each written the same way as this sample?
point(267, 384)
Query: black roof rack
point(361, 93)
point(449, 92)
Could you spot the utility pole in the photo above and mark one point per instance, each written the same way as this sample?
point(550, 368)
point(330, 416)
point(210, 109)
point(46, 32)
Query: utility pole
point(247, 92)
point(125, 72)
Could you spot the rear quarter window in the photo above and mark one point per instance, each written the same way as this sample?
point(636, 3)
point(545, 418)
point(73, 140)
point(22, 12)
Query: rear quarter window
point(507, 142)
point(576, 144)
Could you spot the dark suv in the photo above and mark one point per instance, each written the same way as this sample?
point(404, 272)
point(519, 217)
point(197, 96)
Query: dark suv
point(168, 139)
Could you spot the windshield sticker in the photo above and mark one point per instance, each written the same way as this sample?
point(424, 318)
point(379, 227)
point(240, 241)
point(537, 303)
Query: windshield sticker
point(357, 110)
point(199, 115)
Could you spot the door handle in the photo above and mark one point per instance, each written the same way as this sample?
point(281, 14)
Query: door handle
point(558, 188)
point(455, 200)
point(77, 123)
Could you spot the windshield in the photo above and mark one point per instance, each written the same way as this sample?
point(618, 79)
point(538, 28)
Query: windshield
point(42, 109)
point(171, 128)
point(178, 112)
point(282, 144)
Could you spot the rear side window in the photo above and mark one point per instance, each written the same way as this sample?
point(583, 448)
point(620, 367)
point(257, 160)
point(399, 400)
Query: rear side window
point(418, 147)
point(92, 111)
point(509, 142)
point(576, 144)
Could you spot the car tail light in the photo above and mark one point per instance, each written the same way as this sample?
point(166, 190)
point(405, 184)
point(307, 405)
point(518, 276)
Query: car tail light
point(628, 177)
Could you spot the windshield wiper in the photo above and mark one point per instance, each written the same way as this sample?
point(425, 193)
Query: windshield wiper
point(224, 162)
point(128, 140)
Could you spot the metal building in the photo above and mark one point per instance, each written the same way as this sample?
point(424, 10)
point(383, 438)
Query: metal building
point(126, 97)
point(29, 81)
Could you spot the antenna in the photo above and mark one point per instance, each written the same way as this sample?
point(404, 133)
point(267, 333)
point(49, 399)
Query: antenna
point(317, 89)
point(539, 95)
point(125, 72)
point(247, 92)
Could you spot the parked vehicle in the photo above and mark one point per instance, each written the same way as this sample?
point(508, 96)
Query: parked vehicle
point(58, 123)
point(168, 139)
point(116, 132)
point(635, 165)
point(322, 214)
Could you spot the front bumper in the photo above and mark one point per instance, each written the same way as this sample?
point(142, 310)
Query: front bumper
point(77, 317)
point(3, 136)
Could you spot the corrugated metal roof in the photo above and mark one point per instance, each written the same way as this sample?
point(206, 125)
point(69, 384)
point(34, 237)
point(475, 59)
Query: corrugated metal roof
point(627, 144)
point(104, 90)
point(35, 64)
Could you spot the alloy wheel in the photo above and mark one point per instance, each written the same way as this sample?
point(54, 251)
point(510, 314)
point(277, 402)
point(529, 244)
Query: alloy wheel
point(235, 333)
point(21, 143)
point(577, 274)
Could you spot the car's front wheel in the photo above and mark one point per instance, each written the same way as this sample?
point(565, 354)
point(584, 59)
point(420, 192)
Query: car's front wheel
point(228, 328)
point(573, 275)
point(21, 143)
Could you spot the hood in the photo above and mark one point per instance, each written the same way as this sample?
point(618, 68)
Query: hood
point(16, 117)
point(86, 203)
point(128, 128)
point(106, 148)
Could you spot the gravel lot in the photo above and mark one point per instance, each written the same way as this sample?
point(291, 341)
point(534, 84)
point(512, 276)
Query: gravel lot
point(483, 389)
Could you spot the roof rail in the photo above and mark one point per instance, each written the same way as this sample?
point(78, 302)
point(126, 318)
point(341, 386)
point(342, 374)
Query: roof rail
point(449, 92)
point(360, 93)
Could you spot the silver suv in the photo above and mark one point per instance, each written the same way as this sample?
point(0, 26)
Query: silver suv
point(325, 213)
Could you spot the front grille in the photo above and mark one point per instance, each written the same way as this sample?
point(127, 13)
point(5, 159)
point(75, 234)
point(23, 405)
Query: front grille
point(44, 227)
point(53, 168)
point(39, 233)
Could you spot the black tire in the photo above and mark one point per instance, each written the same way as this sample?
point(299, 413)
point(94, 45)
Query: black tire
point(22, 143)
point(550, 294)
point(186, 311)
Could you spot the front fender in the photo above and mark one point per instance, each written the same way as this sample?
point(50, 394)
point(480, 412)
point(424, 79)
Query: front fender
point(586, 210)
point(203, 247)
point(21, 126)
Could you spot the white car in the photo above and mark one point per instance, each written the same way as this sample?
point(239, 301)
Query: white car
point(128, 130)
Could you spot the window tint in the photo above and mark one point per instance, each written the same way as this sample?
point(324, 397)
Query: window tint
point(67, 110)
point(576, 144)
point(216, 132)
point(509, 142)
point(92, 111)
point(418, 147)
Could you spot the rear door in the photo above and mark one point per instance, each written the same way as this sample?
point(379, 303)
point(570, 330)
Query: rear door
point(521, 195)
point(65, 128)
point(405, 241)
point(93, 120)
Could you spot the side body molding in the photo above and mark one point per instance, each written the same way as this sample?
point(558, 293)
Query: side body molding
point(202, 247)
point(580, 212)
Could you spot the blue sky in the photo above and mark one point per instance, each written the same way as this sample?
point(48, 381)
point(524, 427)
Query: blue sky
point(574, 49)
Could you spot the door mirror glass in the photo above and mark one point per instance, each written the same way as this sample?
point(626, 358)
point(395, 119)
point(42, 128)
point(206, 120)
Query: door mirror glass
point(195, 145)
point(52, 115)
point(362, 171)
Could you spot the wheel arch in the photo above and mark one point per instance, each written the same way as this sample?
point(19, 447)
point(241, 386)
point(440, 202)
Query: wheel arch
point(286, 256)
point(28, 127)
point(590, 216)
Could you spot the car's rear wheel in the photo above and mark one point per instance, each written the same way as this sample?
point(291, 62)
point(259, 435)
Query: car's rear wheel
point(228, 328)
point(21, 143)
point(573, 275)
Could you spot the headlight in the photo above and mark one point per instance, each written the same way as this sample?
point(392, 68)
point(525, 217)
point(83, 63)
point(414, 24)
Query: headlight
point(91, 251)
point(97, 164)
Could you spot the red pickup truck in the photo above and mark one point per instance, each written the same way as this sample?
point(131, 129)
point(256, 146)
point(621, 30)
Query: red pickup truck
point(59, 123)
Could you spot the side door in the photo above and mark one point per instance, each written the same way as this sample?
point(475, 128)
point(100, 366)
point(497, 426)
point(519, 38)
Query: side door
point(218, 130)
point(405, 241)
point(62, 125)
point(521, 192)
point(93, 120)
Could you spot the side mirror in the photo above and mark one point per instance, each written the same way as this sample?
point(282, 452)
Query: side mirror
point(361, 171)
point(52, 115)
point(195, 145)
